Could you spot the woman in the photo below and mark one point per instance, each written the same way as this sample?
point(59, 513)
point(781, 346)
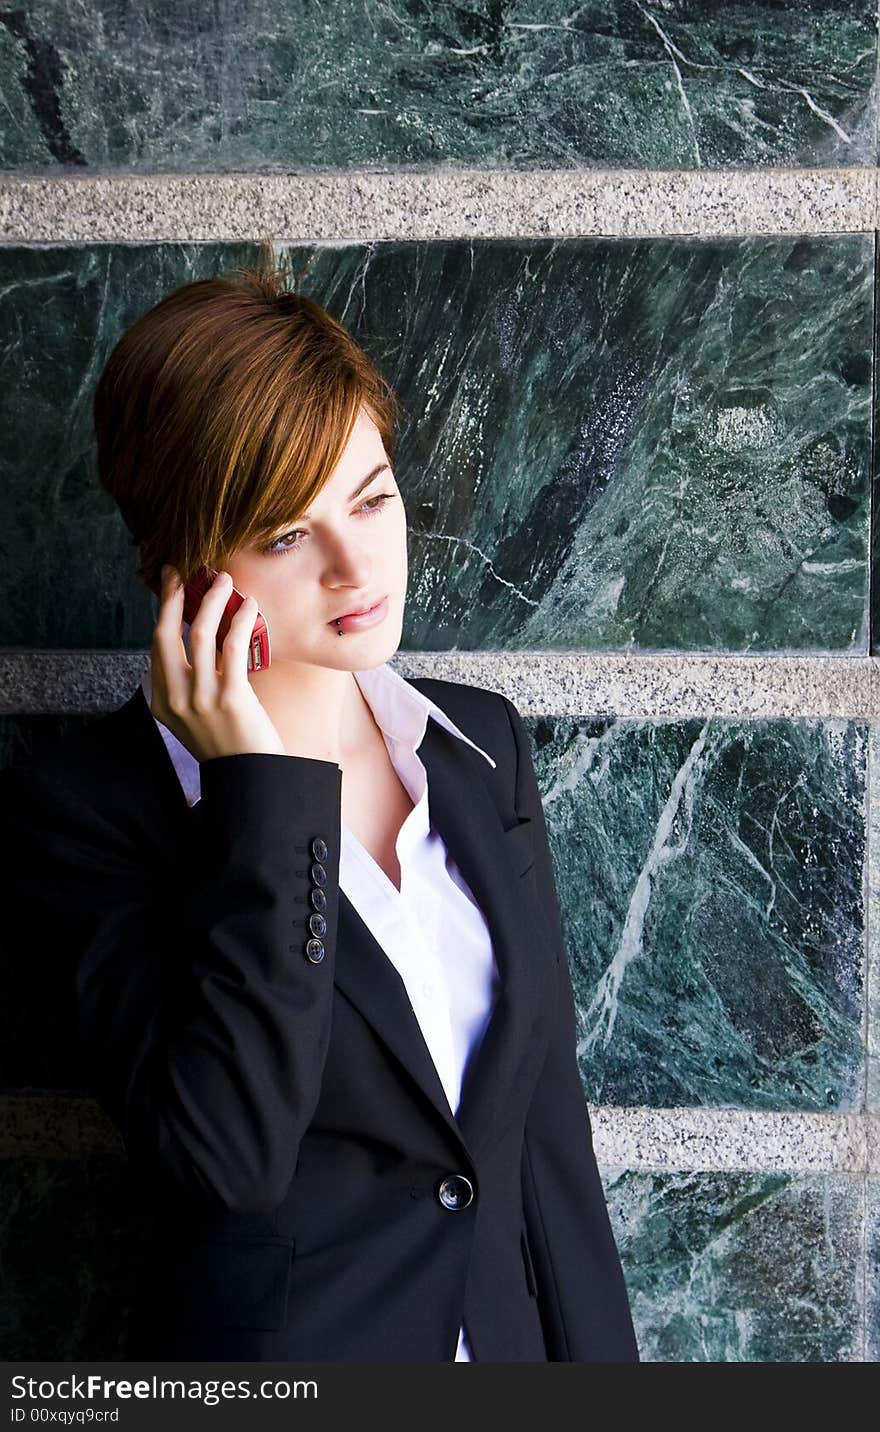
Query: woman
point(312, 959)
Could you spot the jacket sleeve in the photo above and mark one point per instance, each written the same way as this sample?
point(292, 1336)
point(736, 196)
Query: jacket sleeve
point(582, 1296)
point(196, 1017)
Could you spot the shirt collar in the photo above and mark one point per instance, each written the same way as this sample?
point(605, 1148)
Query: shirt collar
point(400, 710)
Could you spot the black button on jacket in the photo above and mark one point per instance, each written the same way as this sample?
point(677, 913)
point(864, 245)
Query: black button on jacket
point(315, 1197)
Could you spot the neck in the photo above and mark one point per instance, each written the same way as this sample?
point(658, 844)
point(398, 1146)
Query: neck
point(317, 705)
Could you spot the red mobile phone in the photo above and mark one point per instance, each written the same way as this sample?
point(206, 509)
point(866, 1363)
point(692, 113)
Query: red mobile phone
point(258, 651)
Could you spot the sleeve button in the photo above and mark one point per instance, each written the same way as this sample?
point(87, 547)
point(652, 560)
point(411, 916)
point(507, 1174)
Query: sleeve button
point(319, 874)
point(319, 848)
point(317, 924)
point(315, 951)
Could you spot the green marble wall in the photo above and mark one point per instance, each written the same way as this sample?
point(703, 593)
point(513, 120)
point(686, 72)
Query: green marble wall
point(711, 877)
point(623, 445)
point(741, 1267)
point(264, 85)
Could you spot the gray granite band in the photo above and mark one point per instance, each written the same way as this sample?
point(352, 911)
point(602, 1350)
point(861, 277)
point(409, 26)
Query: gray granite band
point(538, 683)
point(67, 1125)
point(721, 1139)
point(439, 202)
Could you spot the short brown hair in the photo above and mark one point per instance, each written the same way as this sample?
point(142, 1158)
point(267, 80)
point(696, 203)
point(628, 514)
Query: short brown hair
point(222, 412)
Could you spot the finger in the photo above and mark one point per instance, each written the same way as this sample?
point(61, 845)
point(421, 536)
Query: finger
point(170, 669)
point(236, 645)
point(203, 639)
point(171, 588)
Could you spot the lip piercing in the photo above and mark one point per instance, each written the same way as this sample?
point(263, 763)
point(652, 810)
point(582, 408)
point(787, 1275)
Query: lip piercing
point(339, 631)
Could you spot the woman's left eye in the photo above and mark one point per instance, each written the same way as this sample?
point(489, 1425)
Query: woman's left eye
point(366, 509)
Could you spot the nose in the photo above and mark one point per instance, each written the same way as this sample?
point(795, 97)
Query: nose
point(347, 563)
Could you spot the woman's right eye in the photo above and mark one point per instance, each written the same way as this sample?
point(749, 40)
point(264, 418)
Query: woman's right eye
point(273, 550)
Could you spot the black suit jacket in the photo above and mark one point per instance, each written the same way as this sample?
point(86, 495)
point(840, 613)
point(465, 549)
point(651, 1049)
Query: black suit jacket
point(283, 1115)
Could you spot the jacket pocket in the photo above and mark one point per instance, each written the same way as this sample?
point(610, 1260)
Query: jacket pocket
point(528, 1264)
point(239, 1282)
point(519, 846)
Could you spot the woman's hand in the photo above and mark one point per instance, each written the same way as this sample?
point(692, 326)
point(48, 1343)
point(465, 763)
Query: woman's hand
point(210, 705)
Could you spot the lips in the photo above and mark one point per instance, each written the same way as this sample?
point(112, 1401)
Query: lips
point(361, 611)
point(363, 620)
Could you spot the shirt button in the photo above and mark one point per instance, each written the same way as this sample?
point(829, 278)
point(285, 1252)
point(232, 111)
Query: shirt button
point(455, 1191)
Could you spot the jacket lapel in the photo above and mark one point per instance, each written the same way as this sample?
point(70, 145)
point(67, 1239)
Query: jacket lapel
point(491, 857)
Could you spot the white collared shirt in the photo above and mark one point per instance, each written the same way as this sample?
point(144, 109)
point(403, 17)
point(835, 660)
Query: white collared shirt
point(432, 929)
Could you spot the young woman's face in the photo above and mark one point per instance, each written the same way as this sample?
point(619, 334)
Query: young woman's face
point(346, 555)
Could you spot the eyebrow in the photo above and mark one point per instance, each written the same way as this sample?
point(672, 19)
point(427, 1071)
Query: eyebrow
point(380, 467)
